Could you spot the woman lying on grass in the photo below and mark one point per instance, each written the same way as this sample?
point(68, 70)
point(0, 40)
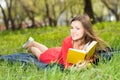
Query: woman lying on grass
point(81, 33)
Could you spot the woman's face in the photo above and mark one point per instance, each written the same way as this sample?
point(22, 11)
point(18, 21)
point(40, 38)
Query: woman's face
point(77, 31)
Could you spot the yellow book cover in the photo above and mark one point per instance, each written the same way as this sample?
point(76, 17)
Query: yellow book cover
point(75, 55)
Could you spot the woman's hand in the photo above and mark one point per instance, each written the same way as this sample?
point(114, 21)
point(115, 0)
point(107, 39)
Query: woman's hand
point(82, 65)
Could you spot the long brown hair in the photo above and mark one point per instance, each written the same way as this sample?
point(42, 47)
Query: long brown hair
point(89, 33)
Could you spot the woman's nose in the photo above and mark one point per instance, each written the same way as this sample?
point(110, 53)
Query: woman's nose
point(73, 30)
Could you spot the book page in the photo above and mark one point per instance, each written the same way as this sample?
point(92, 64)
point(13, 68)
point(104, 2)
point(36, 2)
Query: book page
point(86, 46)
point(90, 46)
point(91, 49)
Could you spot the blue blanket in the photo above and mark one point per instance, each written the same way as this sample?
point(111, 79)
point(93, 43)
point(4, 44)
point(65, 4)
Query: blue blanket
point(25, 58)
point(28, 58)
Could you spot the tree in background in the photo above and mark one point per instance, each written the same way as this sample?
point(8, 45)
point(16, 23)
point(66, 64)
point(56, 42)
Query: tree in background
point(31, 9)
point(12, 14)
point(49, 12)
point(113, 6)
point(89, 10)
point(5, 19)
point(7, 14)
point(53, 9)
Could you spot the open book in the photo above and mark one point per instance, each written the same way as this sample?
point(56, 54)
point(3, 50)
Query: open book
point(75, 55)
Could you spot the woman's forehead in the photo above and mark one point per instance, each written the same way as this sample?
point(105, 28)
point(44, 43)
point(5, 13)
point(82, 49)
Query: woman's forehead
point(76, 23)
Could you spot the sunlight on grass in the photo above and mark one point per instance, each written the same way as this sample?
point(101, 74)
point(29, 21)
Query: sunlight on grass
point(11, 42)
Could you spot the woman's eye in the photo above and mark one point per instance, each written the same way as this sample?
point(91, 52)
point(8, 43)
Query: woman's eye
point(75, 28)
point(78, 28)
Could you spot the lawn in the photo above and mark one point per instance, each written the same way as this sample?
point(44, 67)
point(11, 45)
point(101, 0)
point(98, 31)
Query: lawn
point(12, 41)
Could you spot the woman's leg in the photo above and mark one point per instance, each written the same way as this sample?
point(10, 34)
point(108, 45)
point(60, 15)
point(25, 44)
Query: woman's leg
point(41, 47)
point(35, 51)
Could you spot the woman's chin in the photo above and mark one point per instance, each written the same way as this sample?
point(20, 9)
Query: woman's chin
point(74, 39)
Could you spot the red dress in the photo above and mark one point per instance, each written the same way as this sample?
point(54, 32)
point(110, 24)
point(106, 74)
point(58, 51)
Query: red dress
point(57, 54)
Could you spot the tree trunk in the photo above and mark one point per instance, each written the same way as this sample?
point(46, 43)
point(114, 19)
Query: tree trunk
point(10, 18)
point(48, 13)
point(4, 17)
point(71, 10)
point(54, 21)
point(89, 10)
point(32, 18)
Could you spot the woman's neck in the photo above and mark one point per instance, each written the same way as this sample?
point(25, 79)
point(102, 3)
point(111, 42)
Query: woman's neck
point(79, 44)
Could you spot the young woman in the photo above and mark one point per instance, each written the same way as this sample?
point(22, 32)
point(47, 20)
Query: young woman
point(81, 33)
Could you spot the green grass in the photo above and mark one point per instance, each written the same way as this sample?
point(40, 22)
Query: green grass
point(11, 42)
